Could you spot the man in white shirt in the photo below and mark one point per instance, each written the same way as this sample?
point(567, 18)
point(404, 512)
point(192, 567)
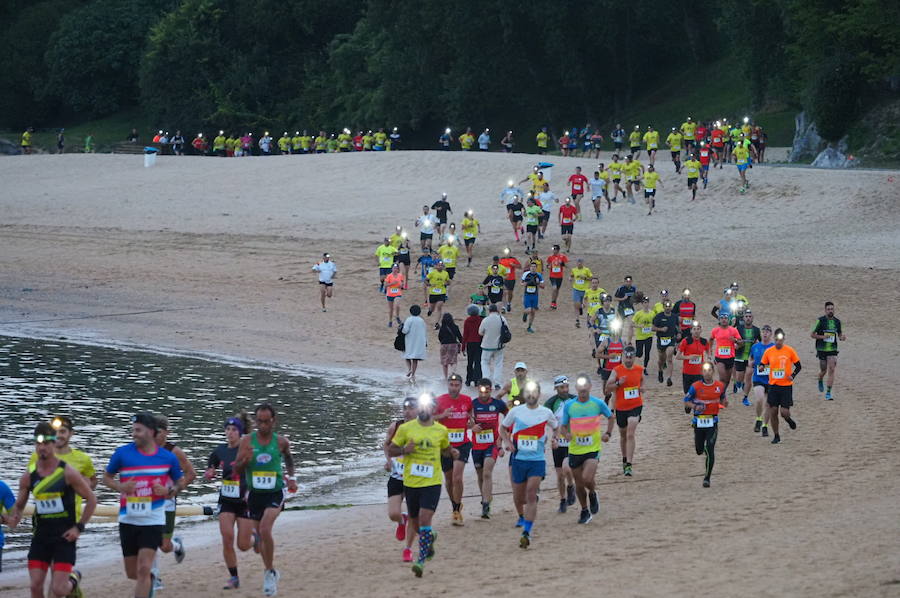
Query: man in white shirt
point(484, 140)
point(547, 198)
point(326, 269)
point(426, 224)
point(491, 347)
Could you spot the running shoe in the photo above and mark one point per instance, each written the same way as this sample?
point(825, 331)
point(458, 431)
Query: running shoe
point(668, 382)
point(553, 305)
point(154, 578)
point(627, 469)
point(562, 506)
point(418, 569)
point(821, 386)
point(400, 534)
point(791, 423)
point(75, 578)
point(525, 317)
point(233, 583)
point(776, 439)
point(757, 426)
point(594, 503)
point(458, 518)
point(659, 376)
point(179, 549)
point(390, 323)
point(525, 540)
point(529, 330)
point(765, 431)
point(407, 555)
point(156, 582)
point(828, 396)
point(570, 495)
point(270, 582)
point(746, 402)
point(485, 510)
point(734, 388)
point(521, 521)
point(706, 482)
point(585, 516)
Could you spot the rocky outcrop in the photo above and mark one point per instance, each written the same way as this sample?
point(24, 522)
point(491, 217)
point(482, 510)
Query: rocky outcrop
point(8, 148)
point(834, 156)
point(807, 141)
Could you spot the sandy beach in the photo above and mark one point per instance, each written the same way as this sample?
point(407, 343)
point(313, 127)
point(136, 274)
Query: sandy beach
point(213, 256)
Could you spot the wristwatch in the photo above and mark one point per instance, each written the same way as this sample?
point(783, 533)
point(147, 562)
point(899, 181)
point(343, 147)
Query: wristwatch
point(80, 527)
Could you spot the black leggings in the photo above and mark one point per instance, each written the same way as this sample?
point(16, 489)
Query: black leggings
point(644, 348)
point(473, 364)
point(705, 441)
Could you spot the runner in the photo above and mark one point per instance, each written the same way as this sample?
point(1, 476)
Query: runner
point(437, 285)
point(581, 276)
point(633, 170)
point(557, 263)
point(599, 192)
point(509, 263)
point(524, 432)
point(609, 348)
point(57, 526)
point(486, 444)
point(170, 542)
point(615, 171)
point(423, 444)
point(148, 475)
point(510, 195)
point(593, 297)
point(784, 365)
point(513, 388)
point(666, 327)
point(565, 483)
point(663, 298)
point(688, 131)
point(692, 167)
point(651, 179)
point(725, 307)
point(634, 142)
point(327, 271)
point(627, 381)
point(449, 252)
point(686, 309)
point(693, 351)
point(232, 506)
point(533, 215)
point(385, 254)
point(704, 396)
point(7, 500)
point(516, 212)
point(750, 334)
point(471, 228)
point(577, 184)
point(618, 137)
point(761, 379)
point(546, 200)
point(532, 281)
point(426, 223)
point(718, 146)
point(651, 140)
point(674, 142)
point(704, 154)
point(454, 411)
point(80, 460)
point(568, 214)
point(493, 282)
point(424, 264)
point(624, 306)
point(394, 466)
point(827, 331)
point(260, 457)
point(542, 140)
point(726, 340)
point(581, 427)
point(742, 159)
point(642, 321)
point(441, 208)
point(394, 285)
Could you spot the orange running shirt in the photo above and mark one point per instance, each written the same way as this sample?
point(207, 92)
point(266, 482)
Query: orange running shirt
point(781, 364)
point(628, 394)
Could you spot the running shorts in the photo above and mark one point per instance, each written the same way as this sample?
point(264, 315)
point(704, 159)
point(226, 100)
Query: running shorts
point(402, 258)
point(577, 296)
point(522, 470)
point(576, 461)
point(384, 271)
point(169, 530)
point(780, 396)
point(137, 537)
point(688, 379)
point(470, 241)
point(394, 487)
point(239, 509)
point(464, 451)
point(46, 549)
point(556, 282)
point(530, 300)
point(436, 298)
point(559, 455)
point(728, 362)
point(509, 284)
point(426, 497)
point(691, 182)
point(823, 355)
point(566, 229)
point(259, 502)
point(622, 417)
point(531, 228)
point(479, 455)
point(739, 365)
point(649, 192)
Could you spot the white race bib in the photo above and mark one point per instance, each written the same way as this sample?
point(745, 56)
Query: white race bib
point(829, 337)
point(646, 329)
point(695, 359)
point(556, 269)
point(397, 466)
point(468, 235)
point(48, 503)
point(485, 437)
point(632, 392)
point(437, 290)
point(686, 321)
point(664, 341)
point(562, 441)
point(704, 421)
point(777, 374)
point(421, 470)
point(531, 289)
point(230, 489)
point(762, 370)
point(724, 351)
point(264, 480)
point(628, 311)
point(579, 281)
point(584, 440)
point(138, 505)
point(457, 436)
point(527, 443)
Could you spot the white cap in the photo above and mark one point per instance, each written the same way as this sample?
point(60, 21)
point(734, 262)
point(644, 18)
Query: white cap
point(521, 365)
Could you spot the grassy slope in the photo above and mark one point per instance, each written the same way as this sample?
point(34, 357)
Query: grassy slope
point(106, 131)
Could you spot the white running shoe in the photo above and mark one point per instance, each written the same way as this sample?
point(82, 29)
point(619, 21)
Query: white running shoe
point(270, 582)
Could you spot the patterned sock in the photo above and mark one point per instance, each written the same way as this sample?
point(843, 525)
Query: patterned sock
point(425, 539)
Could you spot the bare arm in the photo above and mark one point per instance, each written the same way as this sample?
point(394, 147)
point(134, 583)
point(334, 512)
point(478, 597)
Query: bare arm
point(187, 468)
point(245, 453)
point(284, 445)
point(12, 520)
point(82, 488)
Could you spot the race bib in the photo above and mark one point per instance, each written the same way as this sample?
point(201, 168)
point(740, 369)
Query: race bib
point(457, 436)
point(695, 359)
point(437, 290)
point(527, 443)
point(397, 467)
point(615, 358)
point(517, 212)
point(579, 281)
point(723, 351)
point(762, 370)
point(531, 289)
point(562, 441)
point(777, 374)
point(646, 329)
point(469, 235)
point(628, 311)
point(230, 489)
point(421, 470)
point(584, 440)
point(138, 505)
point(829, 337)
point(556, 269)
point(48, 503)
point(664, 341)
point(567, 221)
point(704, 421)
point(485, 437)
point(686, 321)
point(632, 392)
point(264, 480)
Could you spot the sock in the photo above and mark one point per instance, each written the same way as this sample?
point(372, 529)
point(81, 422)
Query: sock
point(176, 545)
point(527, 526)
point(759, 419)
point(456, 505)
point(829, 388)
point(425, 540)
point(155, 566)
point(233, 571)
point(624, 460)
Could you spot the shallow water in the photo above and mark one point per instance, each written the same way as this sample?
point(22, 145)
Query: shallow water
point(335, 426)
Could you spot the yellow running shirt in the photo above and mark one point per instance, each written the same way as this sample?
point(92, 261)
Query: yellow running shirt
point(386, 255)
point(449, 253)
point(422, 467)
point(692, 167)
point(581, 278)
point(650, 179)
point(469, 228)
point(643, 320)
point(437, 282)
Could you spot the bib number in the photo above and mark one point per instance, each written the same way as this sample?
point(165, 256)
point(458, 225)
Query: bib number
point(485, 437)
point(695, 359)
point(579, 281)
point(829, 337)
point(468, 235)
point(646, 330)
point(397, 467)
point(628, 311)
point(704, 421)
point(686, 321)
point(437, 290)
point(231, 489)
point(632, 393)
point(137, 505)
point(48, 504)
point(664, 341)
point(778, 374)
point(762, 370)
point(556, 269)
point(562, 441)
point(530, 289)
point(457, 436)
point(584, 440)
point(724, 351)
point(615, 358)
point(264, 480)
point(527, 443)
point(421, 470)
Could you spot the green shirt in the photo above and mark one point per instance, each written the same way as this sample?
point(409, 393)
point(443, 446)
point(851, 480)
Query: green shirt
point(264, 471)
point(532, 215)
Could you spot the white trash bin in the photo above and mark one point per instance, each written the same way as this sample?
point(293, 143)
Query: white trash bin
point(547, 169)
point(150, 156)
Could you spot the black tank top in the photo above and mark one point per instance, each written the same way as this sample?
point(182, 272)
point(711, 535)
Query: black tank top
point(54, 502)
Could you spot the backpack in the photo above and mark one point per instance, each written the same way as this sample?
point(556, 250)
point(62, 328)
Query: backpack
point(505, 334)
point(400, 340)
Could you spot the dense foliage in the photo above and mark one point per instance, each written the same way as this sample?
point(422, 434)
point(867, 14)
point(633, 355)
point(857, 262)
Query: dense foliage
point(424, 63)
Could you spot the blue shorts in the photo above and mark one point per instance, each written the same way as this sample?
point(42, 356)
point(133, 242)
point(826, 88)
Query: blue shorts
point(742, 167)
point(577, 296)
point(530, 300)
point(522, 470)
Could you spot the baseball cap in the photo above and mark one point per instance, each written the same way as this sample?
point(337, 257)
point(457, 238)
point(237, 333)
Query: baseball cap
point(560, 380)
point(520, 365)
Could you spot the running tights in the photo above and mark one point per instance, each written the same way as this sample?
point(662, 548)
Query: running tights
point(643, 348)
point(705, 442)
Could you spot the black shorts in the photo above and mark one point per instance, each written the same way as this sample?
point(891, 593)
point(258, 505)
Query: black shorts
point(634, 149)
point(649, 192)
point(617, 180)
point(728, 362)
point(531, 228)
point(566, 229)
point(426, 497)
point(545, 216)
point(604, 373)
point(676, 154)
point(556, 282)
point(822, 355)
point(576, 461)
point(402, 258)
point(509, 284)
point(516, 218)
point(47, 548)
point(662, 348)
point(691, 182)
point(239, 509)
point(436, 298)
point(258, 502)
point(169, 530)
point(469, 241)
point(622, 416)
point(764, 385)
point(423, 236)
point(384, 271)
point(137, 537)
point(479, 455)
point(780, 396)
point(394, 487)
point(495, 297)
point(451, 271)
point(559, 455)
point(739, 365)
point(688, 379)
point(464, 451)
point(326, 284)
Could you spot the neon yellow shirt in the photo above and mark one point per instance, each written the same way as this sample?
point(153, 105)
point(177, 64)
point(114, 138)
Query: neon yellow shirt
point(422, 467)
point(693, 168)
point(689, 129)
point(674, 141)
point(26, 139)
point(542, 139)
point(501, 270)
point(592, 297)
point(632, 169)
point(650, 179)
point(581, 278)
point(395, 240)
point(380, 138)
point(616, 169)
point(344, 140)
point(604, 175)
point(306, 142)
point(651, 138)
point(532, 215)
point(634, 139)
point(320, 142)
point(284, 143)
point(449, 253)
point(367, 141)
point(219, 143)
point(386, 255)
point(466, 140)
point(469, 228)
point(296, 142)
point(437, 281)
point(643, 320)
point(741, 154)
